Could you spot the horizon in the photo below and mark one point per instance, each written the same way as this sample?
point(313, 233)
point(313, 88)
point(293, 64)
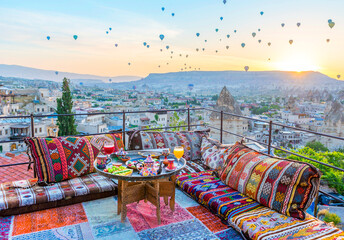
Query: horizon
point(27, 26)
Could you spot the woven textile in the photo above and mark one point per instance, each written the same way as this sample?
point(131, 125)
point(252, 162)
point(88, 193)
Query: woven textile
point(286, 186)
point(194, 166)
point(13, 194)
point(191, 141)
point(209, 191)
point(213, 154)
point(265, 223)
point(62, 158)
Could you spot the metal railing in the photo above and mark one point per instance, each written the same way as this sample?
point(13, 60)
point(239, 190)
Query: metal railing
point(188, 126)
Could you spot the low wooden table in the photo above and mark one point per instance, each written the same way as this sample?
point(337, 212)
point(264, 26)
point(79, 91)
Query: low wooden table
point(136, 187)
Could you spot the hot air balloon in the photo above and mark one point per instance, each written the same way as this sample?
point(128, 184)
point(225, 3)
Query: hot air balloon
point(172, 14)
point(162, 9)
point(216, 51)
point(110, 80)
point(205, 40)
point(261, 13)
point(203, 49)
point(246, 68)
point(81, 83)
point(228, 35)
point(129, 63)
point(330, 20)
point(282, 24)
point(75, 37)
point(227, 47)
point(48, 37)
point(291, 42)
point(160, 49)
point(107, 32)
point(259, 41)
point(187, 55)
point(56, 72)
point(331, 24)
point(243, 45)
point(144, 43)
point(110, 29)
point(328, 40)
point(235, 31)
point(190, 86)
point(197, 34)
point(197, 49)
point(147, 46)
point(298, 24)
point(171, 52)
point(161, 36)
point(258, 29)
point(180, 55)
point(134, 87)
point(167, 47)
point(216, 30)
point(224, 1)
point(338, 76)
point(253, 34)
point(116, 45)
point(269, 44)
point(221, 18)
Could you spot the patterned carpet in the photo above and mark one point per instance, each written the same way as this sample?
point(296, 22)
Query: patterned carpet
point(99, 220)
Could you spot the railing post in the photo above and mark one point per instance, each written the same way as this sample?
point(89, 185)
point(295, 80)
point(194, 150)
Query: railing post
point(316, 201)
point(123, 130)
point(188, 119)
point(270, 135)
point(32, 135)
point(221, 127)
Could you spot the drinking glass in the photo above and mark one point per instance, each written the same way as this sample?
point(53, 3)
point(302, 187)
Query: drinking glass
point(108, 149)
point(178, 152)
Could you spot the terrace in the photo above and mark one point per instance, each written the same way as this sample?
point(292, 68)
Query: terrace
point(98, 219)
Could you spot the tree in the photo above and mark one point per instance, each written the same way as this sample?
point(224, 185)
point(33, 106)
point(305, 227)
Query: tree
point(66, 124)
point(317, 146)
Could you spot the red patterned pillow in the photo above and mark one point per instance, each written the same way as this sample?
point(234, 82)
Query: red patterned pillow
point(286, 186)
point(62, 158)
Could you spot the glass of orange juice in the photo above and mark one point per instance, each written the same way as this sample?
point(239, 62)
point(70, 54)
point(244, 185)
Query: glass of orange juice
point(178, 152)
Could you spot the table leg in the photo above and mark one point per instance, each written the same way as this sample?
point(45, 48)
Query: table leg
point(156, 185)
point(173, 196)
point(123, 201)
point(166, 200)
point(119, 197)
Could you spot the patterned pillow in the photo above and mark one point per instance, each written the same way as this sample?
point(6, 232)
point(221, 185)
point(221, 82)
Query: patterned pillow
point(213, 153)
point(191, 141)
point(286, 186)
point(62, 158)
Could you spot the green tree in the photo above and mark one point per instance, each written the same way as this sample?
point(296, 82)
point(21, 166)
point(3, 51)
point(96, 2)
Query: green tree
point(317, 146)
point(66, 124)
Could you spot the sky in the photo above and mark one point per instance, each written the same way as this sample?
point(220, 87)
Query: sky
point(25, 26)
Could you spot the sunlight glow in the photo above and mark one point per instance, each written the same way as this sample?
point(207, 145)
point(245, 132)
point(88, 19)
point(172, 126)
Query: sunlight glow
point(297, 63)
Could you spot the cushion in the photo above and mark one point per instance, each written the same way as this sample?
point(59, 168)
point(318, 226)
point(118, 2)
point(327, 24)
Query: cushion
point(264, 223)
point(213, 154)
point(286, 186)
point(62, 158)
point(191, 141)
point(16, 194)
point(194, 166)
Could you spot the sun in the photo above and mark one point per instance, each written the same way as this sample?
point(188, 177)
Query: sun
point(297, 63)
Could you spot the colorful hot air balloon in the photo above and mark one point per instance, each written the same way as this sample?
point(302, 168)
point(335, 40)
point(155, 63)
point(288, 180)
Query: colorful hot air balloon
point(216, 29)
point(269, 44)
point(172, 14)
point(235, 31)
point(259, 41)
point(253, 34)
point(107, 32)
point(147, 46)
point(167, 47)
point(134, 87)
point(116, 45)
point(298, 24)
point(110, 80)
point(261, 13)
point(162, 9)
point(129, 63)
point(75, 37)
point(197, 49)
point(243, 45)
point(328, 40)
point(338, 76)
point(331, 24)
point(224, 1)
point(258, 29)
point(56, 72)
point(48, 37)
point(144, 43)
point(227, 47)
point(161, 36)
point(291, 42)
point(282, 24)
point(228, 35)
point(110, 29)
point(197, 34)
point(160, 49)
point(246, 68)
point(203, 49)
point(190, 86)
point(221, 18)
point(205, 40)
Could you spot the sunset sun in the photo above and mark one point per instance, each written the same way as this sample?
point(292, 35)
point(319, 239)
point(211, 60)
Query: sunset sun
point(297, 63)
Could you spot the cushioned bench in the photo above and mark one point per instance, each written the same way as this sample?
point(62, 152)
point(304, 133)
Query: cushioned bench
point(64, 167)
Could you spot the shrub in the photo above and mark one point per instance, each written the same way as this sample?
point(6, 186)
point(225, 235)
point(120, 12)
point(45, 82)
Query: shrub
point(332, 217)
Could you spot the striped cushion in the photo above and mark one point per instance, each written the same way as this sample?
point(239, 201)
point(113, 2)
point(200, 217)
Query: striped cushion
point(286, 186)
point(62, 158)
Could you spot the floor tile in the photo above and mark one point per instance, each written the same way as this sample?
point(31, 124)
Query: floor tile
point(48, 219)
point(185, 201)
point(212, 222)
point(114, 230)
point(101, 210)
point(80, 231)
point(190, 229)
point(229, 234)
point(5, 227)
point(143, 215)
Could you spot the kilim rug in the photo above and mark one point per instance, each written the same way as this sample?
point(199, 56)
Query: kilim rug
point(99, 220)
